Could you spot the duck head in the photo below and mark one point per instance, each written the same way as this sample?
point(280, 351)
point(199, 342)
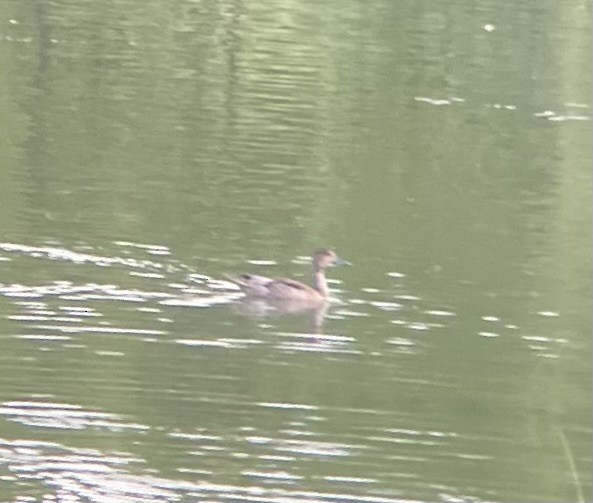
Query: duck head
point(326, 257)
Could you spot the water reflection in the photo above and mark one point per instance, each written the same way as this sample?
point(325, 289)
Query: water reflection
point(314, 313)
point(91, 475)
point(64, 416)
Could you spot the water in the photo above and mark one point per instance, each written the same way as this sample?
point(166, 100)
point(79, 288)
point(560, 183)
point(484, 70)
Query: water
point(148, 151)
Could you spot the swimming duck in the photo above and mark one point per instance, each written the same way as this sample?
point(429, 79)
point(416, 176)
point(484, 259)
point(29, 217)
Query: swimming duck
point(289, 289)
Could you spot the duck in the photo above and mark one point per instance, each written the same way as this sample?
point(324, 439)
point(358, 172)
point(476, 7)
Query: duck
point(286, 289)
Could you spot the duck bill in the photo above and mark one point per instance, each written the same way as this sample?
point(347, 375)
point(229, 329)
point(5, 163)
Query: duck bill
point(340, 262)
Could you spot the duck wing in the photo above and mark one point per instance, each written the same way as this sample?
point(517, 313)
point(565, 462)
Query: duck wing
point(291, 289)
point(274, 288)
point(250, 279)
point(252, 284)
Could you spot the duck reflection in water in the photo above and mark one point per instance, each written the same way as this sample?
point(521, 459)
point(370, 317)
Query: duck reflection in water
point(265, 295)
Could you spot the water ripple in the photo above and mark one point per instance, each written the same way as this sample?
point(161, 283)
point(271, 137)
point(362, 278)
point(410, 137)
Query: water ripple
point(63, 416)
point(72, 474)
point(79, 329)
point(89, 291)
point(57, 253)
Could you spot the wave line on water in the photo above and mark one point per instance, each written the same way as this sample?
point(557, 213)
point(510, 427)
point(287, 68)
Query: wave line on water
point(280, 405)
point(57, 253)
point(62, 416)
point(92, 475)
point(101, 330)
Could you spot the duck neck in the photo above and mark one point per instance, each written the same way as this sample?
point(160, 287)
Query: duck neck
point(320, 282)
